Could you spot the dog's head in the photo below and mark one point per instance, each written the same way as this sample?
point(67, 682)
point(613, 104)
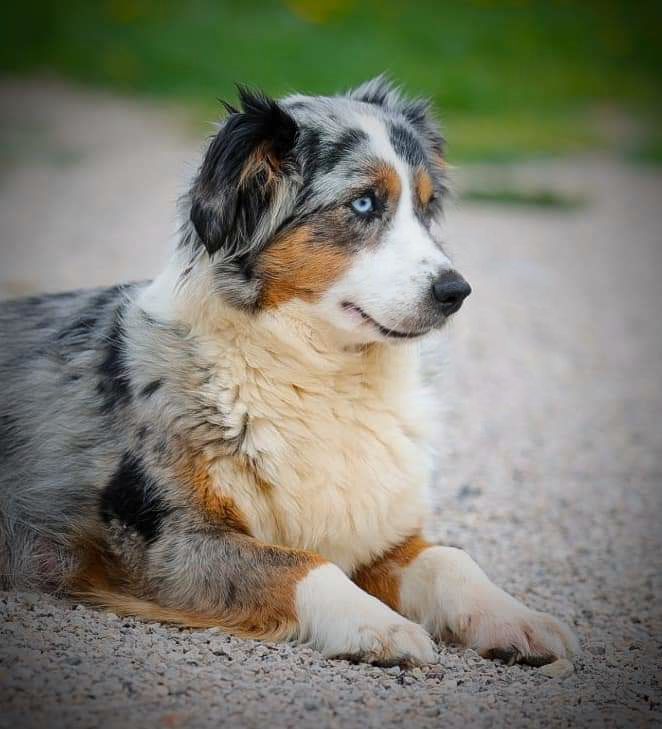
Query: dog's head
point(334, 201)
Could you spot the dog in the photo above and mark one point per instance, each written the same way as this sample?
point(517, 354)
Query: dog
point(243, 442)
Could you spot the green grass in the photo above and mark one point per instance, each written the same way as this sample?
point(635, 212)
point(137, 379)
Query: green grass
point(537, 198)
point(511, 79)
point(648, 151)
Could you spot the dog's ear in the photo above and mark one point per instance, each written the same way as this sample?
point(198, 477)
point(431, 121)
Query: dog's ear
point(382, 92)
point(241, 185)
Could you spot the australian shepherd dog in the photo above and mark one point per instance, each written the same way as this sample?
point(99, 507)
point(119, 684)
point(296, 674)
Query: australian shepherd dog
point(243, 442)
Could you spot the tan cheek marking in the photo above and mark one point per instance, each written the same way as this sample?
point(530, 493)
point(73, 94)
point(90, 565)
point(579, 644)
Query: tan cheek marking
point(424, 187)
point(382, 577)
point(295, 266)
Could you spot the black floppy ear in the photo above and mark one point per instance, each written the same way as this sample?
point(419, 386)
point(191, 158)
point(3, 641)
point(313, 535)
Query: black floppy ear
point(243, 174)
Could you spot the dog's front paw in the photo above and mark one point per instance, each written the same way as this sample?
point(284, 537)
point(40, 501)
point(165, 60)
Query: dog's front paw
point(446, 591)
point(341, 621)
point(499, 626)
point(389, 640)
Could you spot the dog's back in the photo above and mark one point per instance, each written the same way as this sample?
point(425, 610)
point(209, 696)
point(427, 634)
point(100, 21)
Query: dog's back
point(60, 376)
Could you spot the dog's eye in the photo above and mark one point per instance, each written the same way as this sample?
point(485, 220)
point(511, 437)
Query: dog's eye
point(364, 205)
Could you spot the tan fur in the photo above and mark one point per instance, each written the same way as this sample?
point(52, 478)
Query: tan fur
point(214, 502)
point(337, 439)
point(272, 616)
point(387, 181)
point(424, 187)
point(382, 577)
point(261, 160)
point(295, 265)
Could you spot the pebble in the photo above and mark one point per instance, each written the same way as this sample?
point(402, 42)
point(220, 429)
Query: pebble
point(559, 669)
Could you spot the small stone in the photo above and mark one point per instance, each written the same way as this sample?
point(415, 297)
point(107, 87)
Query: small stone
point(559, 669)
point(597, 650)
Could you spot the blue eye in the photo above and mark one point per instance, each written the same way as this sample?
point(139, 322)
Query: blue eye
point(363, 205)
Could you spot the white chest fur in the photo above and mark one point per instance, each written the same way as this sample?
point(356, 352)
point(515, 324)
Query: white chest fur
point(337, 447)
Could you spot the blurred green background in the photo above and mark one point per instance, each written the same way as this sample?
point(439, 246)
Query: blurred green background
point(510, 79)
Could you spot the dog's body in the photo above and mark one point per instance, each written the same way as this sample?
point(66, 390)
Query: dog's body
point(243, 441)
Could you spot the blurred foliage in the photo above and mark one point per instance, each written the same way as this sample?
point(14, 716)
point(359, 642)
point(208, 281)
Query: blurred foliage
point(538, 198)
point(510, 78)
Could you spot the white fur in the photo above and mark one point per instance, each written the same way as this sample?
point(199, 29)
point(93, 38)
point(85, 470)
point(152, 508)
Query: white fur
point(339, 619)
point(339, 435)
point(391, 282)
point(448, 593)
point(335, 456)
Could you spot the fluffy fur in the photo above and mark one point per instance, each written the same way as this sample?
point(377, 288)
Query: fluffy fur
point(242, 441)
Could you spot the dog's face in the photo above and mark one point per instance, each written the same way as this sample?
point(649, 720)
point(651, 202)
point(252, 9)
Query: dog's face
point(336, 202)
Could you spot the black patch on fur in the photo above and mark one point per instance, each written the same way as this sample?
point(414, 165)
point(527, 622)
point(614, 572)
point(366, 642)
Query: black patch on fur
point(151, 388)
point(11, 437)
point(334, 153)
point(224, 213)
point(308, 145)
point(79, 330)
point(114, 384)
point(131, 498)
point(405, 144)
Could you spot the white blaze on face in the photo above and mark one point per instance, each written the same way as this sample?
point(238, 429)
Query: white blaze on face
point(390, 281)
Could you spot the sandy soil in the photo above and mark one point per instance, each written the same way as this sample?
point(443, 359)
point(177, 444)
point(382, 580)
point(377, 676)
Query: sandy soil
point(551, 478)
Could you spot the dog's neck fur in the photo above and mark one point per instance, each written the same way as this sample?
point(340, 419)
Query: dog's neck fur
point(314, 417)
point(305, 346)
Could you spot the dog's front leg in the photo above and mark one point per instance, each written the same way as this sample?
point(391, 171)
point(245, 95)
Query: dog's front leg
point(446, 591)
point(263, 591)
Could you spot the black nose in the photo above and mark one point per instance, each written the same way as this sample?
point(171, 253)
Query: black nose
point(450, 290)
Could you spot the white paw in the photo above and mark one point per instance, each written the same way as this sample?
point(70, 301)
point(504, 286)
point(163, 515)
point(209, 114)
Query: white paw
point(499, 626)
point(391, 640)
point(446, 591)
point(341, 621)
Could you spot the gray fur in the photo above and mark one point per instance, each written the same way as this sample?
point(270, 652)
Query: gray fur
point(329, 156)
point(90, 382)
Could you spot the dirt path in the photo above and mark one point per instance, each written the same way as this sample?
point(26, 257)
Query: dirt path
point(554, 451)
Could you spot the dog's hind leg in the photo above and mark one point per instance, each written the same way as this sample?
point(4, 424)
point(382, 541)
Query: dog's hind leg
point(446, 591)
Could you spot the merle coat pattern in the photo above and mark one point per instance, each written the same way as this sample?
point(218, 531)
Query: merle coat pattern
point(243, 441)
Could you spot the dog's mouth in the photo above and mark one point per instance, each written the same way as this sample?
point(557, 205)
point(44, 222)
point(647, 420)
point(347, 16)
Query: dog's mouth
point(384, 331)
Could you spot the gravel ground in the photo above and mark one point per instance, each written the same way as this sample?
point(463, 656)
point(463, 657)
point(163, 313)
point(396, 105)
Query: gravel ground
point(551, 477)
